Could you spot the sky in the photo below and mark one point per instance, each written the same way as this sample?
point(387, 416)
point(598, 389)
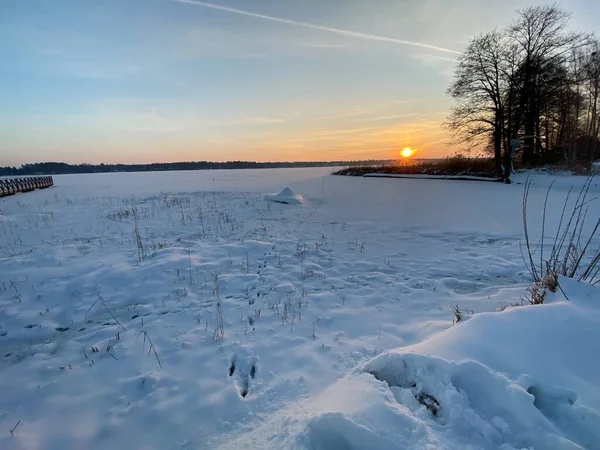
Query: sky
point(138, 81)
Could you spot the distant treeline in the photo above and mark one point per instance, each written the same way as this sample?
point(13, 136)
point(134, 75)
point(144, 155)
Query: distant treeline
point(52, 168)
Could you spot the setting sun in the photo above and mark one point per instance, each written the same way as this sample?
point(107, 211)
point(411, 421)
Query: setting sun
point(407, 152)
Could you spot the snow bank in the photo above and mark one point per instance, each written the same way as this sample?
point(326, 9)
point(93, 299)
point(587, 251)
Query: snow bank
point(523, 378)
point(286, 196)
point(520, 378)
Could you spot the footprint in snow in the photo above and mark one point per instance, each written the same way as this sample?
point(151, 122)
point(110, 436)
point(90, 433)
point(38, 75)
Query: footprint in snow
point(242, 373)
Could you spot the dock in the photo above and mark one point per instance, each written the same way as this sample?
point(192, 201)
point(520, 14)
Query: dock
point(12, 186)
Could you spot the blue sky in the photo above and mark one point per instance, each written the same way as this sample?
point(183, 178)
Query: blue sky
point(138, 81)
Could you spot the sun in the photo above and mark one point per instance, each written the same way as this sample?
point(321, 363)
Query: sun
point(407, 152)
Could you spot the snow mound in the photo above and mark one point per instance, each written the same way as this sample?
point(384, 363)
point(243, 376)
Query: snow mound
point(522, 378)
point(286, 196)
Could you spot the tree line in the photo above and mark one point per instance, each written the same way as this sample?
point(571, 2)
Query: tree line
point(529, 90)
point(51, 168)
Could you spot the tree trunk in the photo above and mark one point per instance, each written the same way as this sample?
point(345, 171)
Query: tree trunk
point(547, 133)
point(498, 127)
point(529, 140)
point(510, 132)
point(538, 152)
point(507, 164)
point(595, 121)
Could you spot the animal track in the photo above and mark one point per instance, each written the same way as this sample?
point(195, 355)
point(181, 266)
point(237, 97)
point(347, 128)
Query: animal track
point(243, 376)
point(232, 366)
point(243, 386)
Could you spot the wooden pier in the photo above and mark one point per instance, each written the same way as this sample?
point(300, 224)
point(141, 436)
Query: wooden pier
point(11, 186)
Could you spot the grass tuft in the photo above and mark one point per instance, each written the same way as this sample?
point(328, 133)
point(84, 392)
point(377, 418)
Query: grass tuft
point(572, 254)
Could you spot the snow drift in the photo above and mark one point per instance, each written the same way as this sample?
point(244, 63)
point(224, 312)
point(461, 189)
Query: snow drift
point(522, 378)
point(286, 196)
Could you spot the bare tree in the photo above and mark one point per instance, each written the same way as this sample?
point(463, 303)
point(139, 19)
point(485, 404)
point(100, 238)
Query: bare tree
point(541, 37)
point(591, 68)
point(479, 82)
point(535, 82)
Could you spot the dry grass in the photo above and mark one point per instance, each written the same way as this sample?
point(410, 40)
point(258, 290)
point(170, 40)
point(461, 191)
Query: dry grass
point(152, 348)
point(219, 333)
point(138, 238)
point(572, 254)
point(455, 165)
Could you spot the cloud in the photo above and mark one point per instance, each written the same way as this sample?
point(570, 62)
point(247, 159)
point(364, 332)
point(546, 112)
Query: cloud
point(371, 111)
point(389, 117)
point(329, 135)
point(339, 31)
point(445, 66)
point(342, 113)
point(97, 71)
point(429, 57)
point(52, 51)
point(139, 122)
point(247, 56)
point(248, 121)
point(319, 45)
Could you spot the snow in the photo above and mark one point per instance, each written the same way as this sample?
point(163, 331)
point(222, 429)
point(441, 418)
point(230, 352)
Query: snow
point(527, 369)
point(315, 299)
point(286, 196)
point(522, 378)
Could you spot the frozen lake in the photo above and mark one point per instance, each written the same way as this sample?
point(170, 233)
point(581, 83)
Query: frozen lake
point(113, 286)
point(434, 205)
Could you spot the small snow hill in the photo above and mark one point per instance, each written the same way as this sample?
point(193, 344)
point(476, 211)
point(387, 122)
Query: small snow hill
point(286, 196)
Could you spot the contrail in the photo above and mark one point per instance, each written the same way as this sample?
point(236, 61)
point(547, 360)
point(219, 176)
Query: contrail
point(317, 27)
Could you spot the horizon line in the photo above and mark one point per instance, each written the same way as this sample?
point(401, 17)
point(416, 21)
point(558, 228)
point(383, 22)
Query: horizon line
point(207, 162)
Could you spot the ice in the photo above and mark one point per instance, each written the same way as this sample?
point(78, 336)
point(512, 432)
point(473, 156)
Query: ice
point(107, 341)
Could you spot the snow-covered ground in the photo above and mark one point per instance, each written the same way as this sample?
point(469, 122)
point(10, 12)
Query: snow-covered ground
point(337, 316)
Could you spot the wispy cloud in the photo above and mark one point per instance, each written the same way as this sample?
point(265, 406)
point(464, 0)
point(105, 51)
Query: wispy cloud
point(428, 56)
point(339, 31)
point(151, 123)
point(52, 51)
point(442, 64)
point(389, 117)
point(330, 135)
point(248, 121)
point(319, 45)
point(99, 71)
point(247, 56)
